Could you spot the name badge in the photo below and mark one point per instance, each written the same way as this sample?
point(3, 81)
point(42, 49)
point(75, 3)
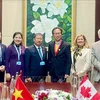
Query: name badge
point(18, 63)
point(42, 63)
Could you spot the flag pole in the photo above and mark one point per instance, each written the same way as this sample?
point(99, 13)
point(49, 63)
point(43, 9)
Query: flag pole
point(5, 76)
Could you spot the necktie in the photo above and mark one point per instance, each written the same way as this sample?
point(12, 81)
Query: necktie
point(56, 47)
point(40, 53)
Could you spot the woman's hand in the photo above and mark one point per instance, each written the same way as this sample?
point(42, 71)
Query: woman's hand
point(75, 74)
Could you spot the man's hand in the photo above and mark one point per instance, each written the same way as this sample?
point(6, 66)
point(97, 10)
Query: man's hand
point(2, 68)
point(8, 76)
point(28, 80)
point(66, 76)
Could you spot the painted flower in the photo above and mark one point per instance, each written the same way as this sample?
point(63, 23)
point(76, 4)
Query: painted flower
point(45, 25)
point(39, 4)
point(57, 7)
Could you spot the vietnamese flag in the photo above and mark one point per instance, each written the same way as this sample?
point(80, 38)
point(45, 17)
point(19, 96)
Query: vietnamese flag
point(21, 92)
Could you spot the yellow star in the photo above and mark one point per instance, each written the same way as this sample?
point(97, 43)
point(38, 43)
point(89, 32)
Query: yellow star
point(17, 94)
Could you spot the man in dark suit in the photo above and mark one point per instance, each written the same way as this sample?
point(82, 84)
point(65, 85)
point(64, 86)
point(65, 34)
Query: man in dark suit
point(95, 58)
point(59, 57)
point(35, 61)
point(2, 60)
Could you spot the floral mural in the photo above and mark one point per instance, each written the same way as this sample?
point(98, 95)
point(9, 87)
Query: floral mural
point(44, 15)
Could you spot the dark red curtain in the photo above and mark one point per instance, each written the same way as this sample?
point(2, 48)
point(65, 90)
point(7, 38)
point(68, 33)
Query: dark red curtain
point(97, 18)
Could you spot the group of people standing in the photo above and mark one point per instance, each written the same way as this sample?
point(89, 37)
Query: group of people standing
point(59, 60)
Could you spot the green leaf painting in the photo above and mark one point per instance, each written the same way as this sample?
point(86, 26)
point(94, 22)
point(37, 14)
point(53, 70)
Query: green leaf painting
point(44, 15)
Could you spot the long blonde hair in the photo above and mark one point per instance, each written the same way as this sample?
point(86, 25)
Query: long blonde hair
point(86, 45)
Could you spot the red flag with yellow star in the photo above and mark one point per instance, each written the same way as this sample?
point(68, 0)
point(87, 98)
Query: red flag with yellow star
point(21, 92)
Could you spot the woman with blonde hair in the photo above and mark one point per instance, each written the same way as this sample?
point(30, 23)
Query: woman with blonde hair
point(81, 56)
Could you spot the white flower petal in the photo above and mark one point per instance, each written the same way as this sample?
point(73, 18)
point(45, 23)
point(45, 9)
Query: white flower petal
point(47, 39)
point(43, 10)
point(35, 8)
point(62, 13)
point(45, 25)
point(40, 4)
point(31, 1)
point(50, 14)
point(57, 7)
point(35, 22)
point(37, 29)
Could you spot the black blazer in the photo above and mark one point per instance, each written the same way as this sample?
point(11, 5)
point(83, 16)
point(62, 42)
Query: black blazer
point(3, 50)
point(32, 62)
point(60, 63)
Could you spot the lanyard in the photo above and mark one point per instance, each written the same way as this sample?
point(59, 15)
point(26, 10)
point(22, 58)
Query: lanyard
point(18, 51)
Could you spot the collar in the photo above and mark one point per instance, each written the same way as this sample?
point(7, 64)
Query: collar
point(38, 47)
point(59, 42)
point(17, 45)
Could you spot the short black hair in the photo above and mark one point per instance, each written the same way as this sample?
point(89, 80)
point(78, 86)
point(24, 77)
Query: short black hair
point(38, 34)
point(57, 28)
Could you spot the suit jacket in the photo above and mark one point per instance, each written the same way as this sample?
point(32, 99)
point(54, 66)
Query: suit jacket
point(32, 62)
point(3, 50)
point(83, 62)
point(12, 58)
point(95, 51)
point(61, 62)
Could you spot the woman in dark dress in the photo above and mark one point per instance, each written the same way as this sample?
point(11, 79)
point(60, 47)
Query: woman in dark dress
point(2, 60)
point(15, 56)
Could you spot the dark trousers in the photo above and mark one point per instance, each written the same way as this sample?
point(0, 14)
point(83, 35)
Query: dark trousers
point(1, 76)
point(55, 78)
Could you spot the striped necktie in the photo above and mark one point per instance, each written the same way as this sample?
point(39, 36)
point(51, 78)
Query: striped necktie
point(40, 53)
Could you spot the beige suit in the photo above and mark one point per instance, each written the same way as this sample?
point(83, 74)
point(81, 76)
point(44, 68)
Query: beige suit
point(95, 51)
point(83, 62)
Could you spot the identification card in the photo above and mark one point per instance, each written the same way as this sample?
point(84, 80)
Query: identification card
point(18, 63)
point(42, 63)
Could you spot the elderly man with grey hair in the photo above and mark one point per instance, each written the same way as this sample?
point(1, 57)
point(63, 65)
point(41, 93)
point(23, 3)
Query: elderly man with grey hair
point(95, 57)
